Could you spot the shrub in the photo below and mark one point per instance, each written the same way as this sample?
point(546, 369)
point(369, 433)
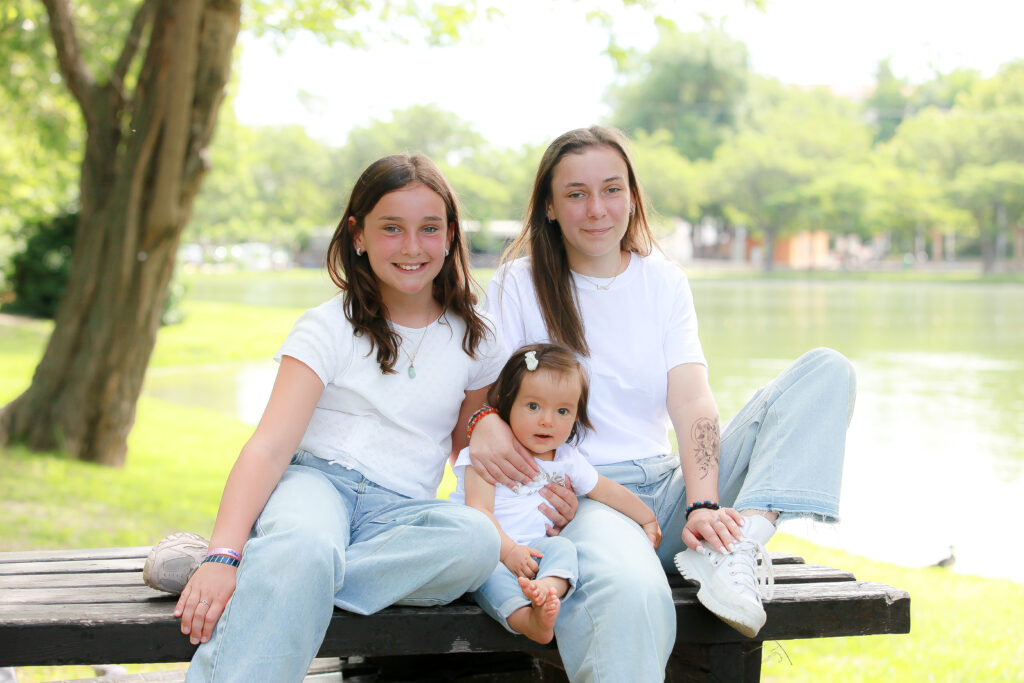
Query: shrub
point(37, 275)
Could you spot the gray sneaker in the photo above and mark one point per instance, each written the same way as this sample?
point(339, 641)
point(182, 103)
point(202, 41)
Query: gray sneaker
point(729, 583)
point(172, 561)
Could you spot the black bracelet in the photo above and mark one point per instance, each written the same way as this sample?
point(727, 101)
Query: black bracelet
point(702, 505)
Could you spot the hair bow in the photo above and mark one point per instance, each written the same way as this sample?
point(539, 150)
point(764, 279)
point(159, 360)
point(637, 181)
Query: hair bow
point(531, 360)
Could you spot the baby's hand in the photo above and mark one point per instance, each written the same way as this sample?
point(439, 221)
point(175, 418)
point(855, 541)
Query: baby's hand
point(520, 562)
point(653, 532)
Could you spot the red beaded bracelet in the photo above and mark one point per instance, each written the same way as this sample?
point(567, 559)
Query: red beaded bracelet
point(477, 416)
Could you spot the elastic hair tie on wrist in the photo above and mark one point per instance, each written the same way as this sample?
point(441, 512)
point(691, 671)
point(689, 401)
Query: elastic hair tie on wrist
point(230, 552)
point(702, 505)
point(477, 416)
point(221, 559)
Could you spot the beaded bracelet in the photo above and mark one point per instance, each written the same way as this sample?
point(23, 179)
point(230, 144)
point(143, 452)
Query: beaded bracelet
point(702, 505)
point(477, 416)
point(221, 559)
point(225, 551)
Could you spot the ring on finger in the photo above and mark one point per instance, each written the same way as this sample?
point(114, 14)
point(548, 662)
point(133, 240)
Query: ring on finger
point(204, 602)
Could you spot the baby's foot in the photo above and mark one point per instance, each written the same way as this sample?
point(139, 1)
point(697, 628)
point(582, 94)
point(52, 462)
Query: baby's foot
point(540, 617)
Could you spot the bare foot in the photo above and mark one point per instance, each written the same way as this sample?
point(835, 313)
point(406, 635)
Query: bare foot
point(536, 621)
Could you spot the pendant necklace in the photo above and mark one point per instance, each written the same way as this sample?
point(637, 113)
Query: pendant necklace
point(605, 287)
point(412, 359)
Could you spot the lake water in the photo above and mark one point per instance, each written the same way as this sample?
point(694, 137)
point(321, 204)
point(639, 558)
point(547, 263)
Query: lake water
point(935, 452)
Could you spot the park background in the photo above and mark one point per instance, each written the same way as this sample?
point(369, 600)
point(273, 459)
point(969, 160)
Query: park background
point(881, 213)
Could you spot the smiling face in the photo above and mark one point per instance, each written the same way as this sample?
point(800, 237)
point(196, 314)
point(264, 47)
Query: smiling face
point(591, 201)
point(405, 236)
point(544, 410)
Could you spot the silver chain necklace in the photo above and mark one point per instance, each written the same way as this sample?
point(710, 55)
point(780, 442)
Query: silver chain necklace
point(604, 287)
point(607, 286)
point(412, 359)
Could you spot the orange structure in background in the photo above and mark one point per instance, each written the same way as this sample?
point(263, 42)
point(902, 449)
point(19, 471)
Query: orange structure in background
point(806, 249)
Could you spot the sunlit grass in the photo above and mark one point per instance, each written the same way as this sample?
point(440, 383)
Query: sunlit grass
point(961, 629)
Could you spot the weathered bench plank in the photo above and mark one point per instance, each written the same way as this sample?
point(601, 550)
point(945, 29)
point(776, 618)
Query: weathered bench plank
point(65, 607)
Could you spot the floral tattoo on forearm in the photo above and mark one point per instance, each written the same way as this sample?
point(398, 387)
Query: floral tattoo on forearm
point(705, 440)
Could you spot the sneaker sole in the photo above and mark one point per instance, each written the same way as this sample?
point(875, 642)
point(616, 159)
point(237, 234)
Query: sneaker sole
point(715, 606)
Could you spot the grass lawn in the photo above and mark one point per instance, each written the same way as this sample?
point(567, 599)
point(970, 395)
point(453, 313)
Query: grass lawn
point(179, 456)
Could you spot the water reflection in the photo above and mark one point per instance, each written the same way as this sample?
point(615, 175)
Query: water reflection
point(935, 452)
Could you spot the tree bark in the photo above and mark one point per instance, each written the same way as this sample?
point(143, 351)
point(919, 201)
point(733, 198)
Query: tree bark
point(769, 248)
point(143, 163)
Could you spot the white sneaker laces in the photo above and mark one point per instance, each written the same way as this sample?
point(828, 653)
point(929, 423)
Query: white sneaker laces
point(742, 567)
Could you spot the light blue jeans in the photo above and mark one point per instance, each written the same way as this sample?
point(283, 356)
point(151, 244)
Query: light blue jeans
point(782, 452)
point(328, 536)
point(501, 595)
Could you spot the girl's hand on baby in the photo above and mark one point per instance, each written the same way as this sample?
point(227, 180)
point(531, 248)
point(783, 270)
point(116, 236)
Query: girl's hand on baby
point(204, 599)
point(497, 456)
point(562, 505)
point(653, 531)
point(520, 562)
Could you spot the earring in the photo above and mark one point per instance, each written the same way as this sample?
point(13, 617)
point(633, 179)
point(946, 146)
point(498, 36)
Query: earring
point(446, 252)
point(359, 251)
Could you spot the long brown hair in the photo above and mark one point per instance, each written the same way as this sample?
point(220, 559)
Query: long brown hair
point(364, 306)
point(542, 240)
point(557, 359)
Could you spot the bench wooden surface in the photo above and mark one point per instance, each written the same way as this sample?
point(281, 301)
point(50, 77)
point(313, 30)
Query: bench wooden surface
point(91, 606)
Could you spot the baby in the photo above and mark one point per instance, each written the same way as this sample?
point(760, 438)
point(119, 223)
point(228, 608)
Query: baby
point(542, 394)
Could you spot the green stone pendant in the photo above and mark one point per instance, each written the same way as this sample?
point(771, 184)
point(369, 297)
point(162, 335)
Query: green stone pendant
point(412, 372)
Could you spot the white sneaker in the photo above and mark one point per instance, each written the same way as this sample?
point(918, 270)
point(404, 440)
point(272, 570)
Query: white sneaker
point(173, 561)
point(729, 583)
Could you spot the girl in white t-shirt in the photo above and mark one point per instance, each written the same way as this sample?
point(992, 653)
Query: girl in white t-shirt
point(332, 501)
point(542, 394)
point(584, 272)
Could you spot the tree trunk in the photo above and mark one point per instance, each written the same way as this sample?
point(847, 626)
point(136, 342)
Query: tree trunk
point(139, 178)
point(769, 249)
point(1018, 247)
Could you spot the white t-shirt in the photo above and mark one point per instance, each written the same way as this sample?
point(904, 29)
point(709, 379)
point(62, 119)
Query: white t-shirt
point(638, 329)
point(396, 431)
point(518, 509)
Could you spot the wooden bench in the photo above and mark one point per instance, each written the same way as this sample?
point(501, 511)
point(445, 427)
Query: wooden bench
point(91, 607)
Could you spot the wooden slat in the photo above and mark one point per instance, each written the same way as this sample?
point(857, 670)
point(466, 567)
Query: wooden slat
point(130, 564)
point(790, 573)
point(72, 596)
point(92, 581)
point(74, 554)
point(148, 632)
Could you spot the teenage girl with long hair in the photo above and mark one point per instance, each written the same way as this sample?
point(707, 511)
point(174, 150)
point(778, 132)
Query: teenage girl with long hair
point(584, 272)
point(332, 500)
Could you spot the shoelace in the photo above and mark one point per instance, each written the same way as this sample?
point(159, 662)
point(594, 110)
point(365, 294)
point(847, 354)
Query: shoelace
point(744, 571)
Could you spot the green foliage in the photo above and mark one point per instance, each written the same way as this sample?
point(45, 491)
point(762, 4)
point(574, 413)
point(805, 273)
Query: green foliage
point(38, 274)
point(271, 184)
point(690, 84)
point(888, 102)
point(41, 128)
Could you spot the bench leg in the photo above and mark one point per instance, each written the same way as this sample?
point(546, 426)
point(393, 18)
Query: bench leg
point(725, 663)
